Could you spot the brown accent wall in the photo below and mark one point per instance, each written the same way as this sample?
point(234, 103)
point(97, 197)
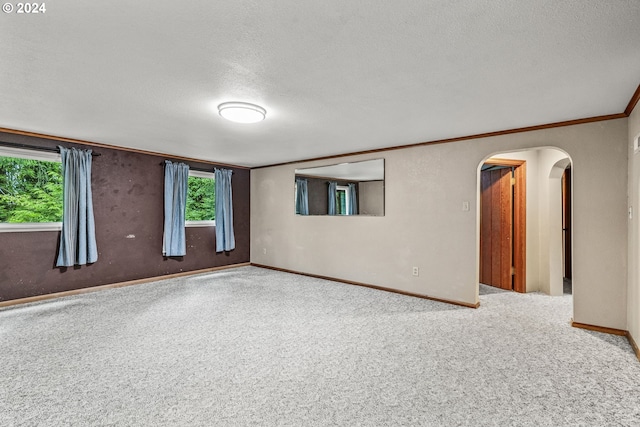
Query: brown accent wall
point(128, 208)
point(319, 196)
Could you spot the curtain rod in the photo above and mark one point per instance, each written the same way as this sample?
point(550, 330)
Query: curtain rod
point(194, 169)
point(37, 148)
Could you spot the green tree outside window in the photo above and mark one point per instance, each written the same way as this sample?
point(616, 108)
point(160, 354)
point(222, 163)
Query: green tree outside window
point(30, 190)
point(201, 199)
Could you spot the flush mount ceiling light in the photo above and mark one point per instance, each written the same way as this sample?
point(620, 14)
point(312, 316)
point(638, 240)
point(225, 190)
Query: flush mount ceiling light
point(242, 112)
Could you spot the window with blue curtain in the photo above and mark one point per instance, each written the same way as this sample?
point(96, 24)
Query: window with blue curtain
point(332, 188)
point(78, 237)
point(353, 200)
point(176, 176)
point(302, 196)
point(225, 238)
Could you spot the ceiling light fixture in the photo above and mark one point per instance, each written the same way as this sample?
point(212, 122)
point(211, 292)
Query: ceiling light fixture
point(242, 112)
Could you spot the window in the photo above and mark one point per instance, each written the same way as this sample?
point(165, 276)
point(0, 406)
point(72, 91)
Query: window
point(342, 200)
point(201, 199)
point(30, 190)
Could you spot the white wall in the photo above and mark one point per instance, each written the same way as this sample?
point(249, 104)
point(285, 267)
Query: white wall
point(424, 224)
point(633, 290)
point(552, 164)
point(371, 197)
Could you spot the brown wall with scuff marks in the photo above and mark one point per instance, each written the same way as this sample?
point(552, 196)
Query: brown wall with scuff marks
point(318, 194)
point(128, 209)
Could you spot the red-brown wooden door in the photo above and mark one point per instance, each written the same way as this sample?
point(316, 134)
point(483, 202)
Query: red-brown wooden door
point(496, 228)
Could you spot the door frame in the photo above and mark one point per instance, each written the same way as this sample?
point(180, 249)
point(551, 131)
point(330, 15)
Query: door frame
point(519, 220)
point(567, 259)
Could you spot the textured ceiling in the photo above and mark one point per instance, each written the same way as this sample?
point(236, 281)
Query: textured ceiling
point(335, 76)
point(369, 170)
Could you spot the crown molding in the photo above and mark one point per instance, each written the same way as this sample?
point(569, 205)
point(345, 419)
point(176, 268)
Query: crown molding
point(632, 102)
point(114, 147)
point(460, 138)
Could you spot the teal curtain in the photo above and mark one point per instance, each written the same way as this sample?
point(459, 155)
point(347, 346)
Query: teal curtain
point(176, 177)
point(78, 237)
point(331, 210)
point(302, 196)
point(353, 200)
point(225, 239)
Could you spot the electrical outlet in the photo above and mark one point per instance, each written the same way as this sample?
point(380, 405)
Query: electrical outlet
point(465, 206)
point(264, 251)
point(416, 271)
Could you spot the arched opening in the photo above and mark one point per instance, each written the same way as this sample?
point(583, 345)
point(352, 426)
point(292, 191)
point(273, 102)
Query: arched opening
point(547, 244)
point(556, 230)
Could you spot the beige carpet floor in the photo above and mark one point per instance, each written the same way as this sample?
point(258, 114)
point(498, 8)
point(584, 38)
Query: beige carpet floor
point(253, 347)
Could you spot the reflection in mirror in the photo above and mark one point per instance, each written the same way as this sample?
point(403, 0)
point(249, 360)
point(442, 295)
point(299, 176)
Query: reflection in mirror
point(345, 189)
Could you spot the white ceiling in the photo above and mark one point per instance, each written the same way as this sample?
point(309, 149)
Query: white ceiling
point(369, 170)
point(335, 76)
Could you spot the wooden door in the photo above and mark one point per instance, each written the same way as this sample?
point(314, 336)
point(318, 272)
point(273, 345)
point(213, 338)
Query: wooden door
point(496, 227)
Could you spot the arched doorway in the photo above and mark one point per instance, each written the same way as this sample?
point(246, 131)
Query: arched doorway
point(557, 235)
point(544, 225)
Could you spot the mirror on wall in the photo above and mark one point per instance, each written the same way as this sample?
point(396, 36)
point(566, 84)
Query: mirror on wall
point(343, 189)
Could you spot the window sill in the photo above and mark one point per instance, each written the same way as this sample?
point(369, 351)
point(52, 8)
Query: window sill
point(200, 223)
point(7, 227)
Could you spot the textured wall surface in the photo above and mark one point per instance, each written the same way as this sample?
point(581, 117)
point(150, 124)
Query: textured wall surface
point(128, 208)
point(633, 289)
point(371, 200)
point(424, 224)
point(319, 195)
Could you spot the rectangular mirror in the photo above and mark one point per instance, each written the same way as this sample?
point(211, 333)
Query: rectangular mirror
point(344, 189)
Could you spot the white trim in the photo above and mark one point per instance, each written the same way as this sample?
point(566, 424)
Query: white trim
point(10, 227)
point(347, 204)
point(202, 174)
point(200, 223)
point(22, 227)
point(205, 223)
point(22, 153)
